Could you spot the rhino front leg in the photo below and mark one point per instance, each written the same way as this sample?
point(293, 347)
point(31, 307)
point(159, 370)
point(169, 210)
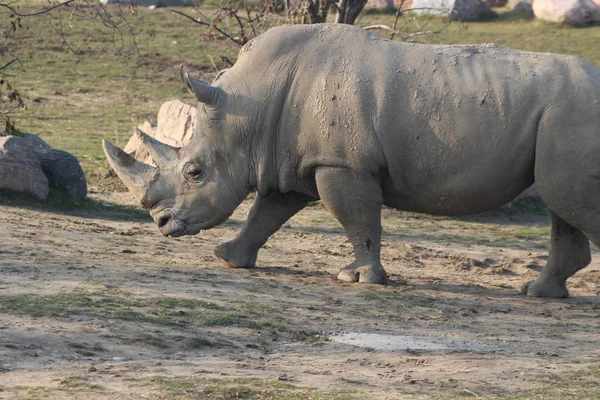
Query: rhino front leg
point(569, 252)
point(355, 200)
point(266, 216)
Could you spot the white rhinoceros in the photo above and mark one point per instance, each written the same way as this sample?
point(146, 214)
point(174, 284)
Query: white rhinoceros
point(333, 112)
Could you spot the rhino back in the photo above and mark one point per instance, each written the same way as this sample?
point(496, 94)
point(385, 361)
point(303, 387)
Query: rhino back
point(451, 129)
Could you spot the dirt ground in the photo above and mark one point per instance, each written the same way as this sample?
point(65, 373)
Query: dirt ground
point(83, 314)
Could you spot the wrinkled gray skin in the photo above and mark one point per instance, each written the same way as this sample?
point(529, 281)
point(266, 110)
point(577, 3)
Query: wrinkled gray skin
point(335, 113)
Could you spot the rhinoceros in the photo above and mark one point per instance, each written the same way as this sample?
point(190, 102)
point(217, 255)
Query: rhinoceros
point(335, 113)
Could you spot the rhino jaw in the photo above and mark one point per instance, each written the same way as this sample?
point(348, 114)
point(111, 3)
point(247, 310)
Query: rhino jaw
point(134, 174)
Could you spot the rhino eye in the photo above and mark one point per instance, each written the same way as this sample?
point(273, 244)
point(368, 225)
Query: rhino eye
point(193, 172)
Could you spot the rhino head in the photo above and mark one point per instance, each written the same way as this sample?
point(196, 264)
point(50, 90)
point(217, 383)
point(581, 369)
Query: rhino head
point(194, 187)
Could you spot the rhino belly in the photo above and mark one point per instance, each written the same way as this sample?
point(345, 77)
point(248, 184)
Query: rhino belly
point(459, 193)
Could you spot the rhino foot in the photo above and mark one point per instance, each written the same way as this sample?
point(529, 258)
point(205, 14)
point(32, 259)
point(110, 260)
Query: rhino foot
point(364, 274)
point(544, 289)
point(235, 256)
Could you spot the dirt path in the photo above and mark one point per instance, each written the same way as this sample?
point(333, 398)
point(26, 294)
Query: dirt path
point(99, 305)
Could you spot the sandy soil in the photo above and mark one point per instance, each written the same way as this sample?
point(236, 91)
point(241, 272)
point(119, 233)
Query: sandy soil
point(459, 298)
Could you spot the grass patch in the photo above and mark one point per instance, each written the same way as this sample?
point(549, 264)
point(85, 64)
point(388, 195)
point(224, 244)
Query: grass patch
point(310, 338)
point(59, 200)
point(202, 343)
point(78, 382)
point(405, 299)
point(513, 229)
point(158, 311)
point(245, 388)
point(580, 384)
point(524, 226)
point(154, 341)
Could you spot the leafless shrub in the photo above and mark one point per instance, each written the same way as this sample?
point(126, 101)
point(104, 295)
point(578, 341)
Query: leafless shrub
point(60, 15)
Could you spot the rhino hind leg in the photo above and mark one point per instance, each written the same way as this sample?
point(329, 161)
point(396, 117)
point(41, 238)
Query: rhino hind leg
point(569, 252)
point(355, 200)
point(266, 216)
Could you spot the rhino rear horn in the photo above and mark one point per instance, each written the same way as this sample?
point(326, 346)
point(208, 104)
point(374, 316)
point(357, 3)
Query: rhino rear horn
point(162, 154)
point(134, 174)
point(204, 92)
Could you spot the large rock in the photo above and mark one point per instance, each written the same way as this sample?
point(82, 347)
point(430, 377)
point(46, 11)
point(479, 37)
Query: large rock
point(174, 126)
point(61, 168)
point(572, 12)
point(521, 6)
point(462, 10)
point(20, 169)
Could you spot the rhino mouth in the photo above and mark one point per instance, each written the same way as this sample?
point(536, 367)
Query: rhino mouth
point(169, 225)
point(172, 226)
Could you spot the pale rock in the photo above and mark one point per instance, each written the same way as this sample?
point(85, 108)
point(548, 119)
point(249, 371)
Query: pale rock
point(462, 10)
point(571, 12)
point(174, 126)
point(20, 169)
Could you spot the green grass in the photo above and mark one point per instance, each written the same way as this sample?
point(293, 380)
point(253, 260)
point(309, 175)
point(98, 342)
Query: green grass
point(164, 311)
point(60, 200)
point(581, 384)
point(524, 226)
point(99, 90)
point(246, 388)
point(403, 299)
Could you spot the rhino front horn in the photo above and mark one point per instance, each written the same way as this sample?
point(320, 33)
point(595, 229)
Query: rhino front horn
point(204, 92)
point(162, 154)
point(134, 174)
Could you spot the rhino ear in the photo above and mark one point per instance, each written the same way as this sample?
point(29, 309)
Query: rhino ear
point(204, 92)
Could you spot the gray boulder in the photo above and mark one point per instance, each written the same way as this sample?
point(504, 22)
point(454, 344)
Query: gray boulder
point(521, 6)
point(61, 168)
point(571, 12)
point(20, 169)
point(462, 10)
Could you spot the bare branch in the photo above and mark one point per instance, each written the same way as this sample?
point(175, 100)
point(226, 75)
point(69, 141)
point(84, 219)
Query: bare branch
point(407, 37)
point(8, 64)
point(210, 25)
point(44, 11)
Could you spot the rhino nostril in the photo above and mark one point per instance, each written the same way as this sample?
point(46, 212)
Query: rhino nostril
point(164, 220)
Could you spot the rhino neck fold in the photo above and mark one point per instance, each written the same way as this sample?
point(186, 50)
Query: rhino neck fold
point(260, 107)
point(264, 157)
